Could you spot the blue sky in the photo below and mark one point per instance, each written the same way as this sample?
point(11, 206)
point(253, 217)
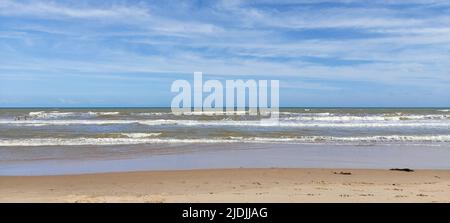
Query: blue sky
point(127, 53)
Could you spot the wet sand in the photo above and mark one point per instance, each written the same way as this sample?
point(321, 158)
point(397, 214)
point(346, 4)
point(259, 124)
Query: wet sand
point(84, 160)
point(233, 185)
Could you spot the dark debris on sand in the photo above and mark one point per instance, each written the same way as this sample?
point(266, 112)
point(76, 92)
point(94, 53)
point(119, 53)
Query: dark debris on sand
point(343, 173)
point(402, 169)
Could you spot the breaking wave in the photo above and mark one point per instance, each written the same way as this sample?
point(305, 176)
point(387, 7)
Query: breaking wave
point(141, 135)
point(226, 122)
point(143, 139)
point(58, 115)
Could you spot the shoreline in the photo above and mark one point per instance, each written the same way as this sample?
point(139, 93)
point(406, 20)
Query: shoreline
point(233, 185)
point(84, 160)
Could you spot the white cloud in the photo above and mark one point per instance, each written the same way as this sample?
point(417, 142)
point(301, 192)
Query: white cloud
point(51, 9)
point(237, 38)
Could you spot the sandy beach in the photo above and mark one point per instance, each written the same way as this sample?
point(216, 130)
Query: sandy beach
point(233, 185)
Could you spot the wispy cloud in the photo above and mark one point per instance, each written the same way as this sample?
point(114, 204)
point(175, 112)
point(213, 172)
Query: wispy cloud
point(392, 43)
point(55, 10)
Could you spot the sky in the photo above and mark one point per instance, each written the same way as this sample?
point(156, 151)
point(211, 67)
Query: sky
point(342, 53)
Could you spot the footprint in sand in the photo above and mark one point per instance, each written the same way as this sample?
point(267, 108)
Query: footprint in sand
point(401, 196)
point(366, 195)
point(321, 188)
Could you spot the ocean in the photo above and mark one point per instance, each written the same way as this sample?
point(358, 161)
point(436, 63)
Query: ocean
point(125, 126)
point(37, 134)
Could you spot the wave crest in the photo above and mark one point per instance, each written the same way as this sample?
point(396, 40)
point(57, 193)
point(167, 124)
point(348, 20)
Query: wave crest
point(145, 140)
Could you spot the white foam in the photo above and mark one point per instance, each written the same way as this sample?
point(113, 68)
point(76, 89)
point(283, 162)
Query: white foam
point(91, 113)
point(282, 123)
point(65, 122)
point(58, 114)
point(141, 135)
point(389, 138)
point(105, 113)
point(302, 139)
point(150, 113)
point(102, 141)
point(347, 118)
point(52, 114)
point(209, 113)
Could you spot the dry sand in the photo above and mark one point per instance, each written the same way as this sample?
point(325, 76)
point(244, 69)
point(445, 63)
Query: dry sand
point(233, 185)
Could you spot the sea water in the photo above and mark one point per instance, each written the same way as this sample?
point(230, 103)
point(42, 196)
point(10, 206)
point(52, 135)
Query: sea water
point(36, 134)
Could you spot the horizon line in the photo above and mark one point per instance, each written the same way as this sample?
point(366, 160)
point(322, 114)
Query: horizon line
point(163, 107)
